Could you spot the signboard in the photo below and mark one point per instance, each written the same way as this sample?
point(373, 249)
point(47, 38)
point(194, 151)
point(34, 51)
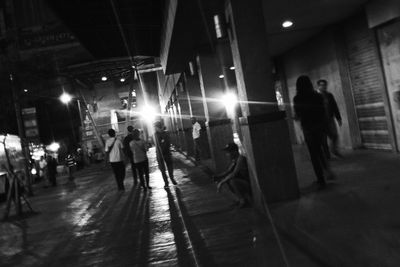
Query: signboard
point(45, 38)
point(30, 123)
point(87, 133)
point(14, 148)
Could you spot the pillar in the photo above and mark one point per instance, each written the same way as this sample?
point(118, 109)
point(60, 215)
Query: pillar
point(193, 90)
point(219, 128)
point(264, 129)
point(186, 114)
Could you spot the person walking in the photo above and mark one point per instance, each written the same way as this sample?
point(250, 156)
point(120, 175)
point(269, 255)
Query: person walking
point(52, 170)
point(196, 132)
point(332, 113)
point(139, 151)
point(163, 153)
point(43, 168)
point(128, 153)
point(115, 155)
point(70, 162)
point(309, 109)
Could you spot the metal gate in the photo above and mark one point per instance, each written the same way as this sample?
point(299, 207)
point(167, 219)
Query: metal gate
point(367, 85)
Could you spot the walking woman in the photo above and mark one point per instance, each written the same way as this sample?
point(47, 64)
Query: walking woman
point(139, 151)
point(309, 109)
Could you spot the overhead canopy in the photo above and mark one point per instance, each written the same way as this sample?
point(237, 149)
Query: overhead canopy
point(95, 24)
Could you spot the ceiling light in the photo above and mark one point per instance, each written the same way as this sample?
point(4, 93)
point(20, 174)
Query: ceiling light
point(221, 76)
point(232, 68)
point(26, 90)
point(122, 80)
point(104, 78)
point(287, 24)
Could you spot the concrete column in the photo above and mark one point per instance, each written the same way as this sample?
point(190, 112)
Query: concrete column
point(219, 128)
point(264, 129)
point(193, 90)
point(186, 114)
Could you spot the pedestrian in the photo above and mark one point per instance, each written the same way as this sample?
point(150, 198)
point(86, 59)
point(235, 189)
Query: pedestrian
point(128, 153)
point(70, 162)
point(309, 109)
point(332, 113)
point(42, 168)
point(196, 132)
point(139, 151)
point(52, 170)
point(163, 153)
point(115, 155)
point(236, 176)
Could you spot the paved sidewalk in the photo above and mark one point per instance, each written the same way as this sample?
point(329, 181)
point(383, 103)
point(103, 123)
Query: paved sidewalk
point(356, 220)
point(89, 223)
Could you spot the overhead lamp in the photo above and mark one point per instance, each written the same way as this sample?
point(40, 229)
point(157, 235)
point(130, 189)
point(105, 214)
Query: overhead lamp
point(230, 101)
point(122, 79)
point(26, 90)
point(221, 76)
point(104, 78)
point(54, 147)
point(287, 24)
point(232, 68)
point(149, 114)
point(65, 98)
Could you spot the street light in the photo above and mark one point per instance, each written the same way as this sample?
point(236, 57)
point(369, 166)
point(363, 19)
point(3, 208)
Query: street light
point(53, 147)
point(287, 24)
point(230, 101)
point(148, 113)
point(65, 98)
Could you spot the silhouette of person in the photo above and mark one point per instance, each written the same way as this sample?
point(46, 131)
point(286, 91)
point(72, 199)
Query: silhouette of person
point(310, 110)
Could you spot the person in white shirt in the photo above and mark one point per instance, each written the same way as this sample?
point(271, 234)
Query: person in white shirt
point(196, 138)
point(115, 154)
point(139, 152)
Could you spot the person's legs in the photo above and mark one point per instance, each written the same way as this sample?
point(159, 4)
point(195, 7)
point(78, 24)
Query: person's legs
point(70, 173)
point(325, 147)
point(134, 172)
point(334, 136)
point(161, 166)
point(241, 189)
point(314, 145)
point(197, 149)
point(114, 167)
point(146, 173)
point(170, 167)
point(140, 169)
point(121, 174)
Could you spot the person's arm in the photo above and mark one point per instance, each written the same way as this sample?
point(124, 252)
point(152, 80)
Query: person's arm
point(226, 172)
point(336, 111)
point(238, 166)
point(297, 111)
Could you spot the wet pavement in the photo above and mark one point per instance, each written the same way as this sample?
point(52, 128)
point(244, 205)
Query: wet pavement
point(353, 222)
point(89, 223)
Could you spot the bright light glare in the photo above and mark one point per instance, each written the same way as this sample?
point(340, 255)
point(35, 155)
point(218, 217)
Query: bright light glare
point(54, 147)
point(232, 68)
point(65, 98)
point(287, 24)
point(230, 101)
point(149, 114)
point(122, 80)
point(25, 90)
point(104, 78)
point(33, 171)
point(221, 76)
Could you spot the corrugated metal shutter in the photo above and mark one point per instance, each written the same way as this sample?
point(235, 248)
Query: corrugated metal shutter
point(366, 78)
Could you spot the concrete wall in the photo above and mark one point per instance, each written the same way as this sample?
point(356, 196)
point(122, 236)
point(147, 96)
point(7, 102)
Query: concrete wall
point(318, 59)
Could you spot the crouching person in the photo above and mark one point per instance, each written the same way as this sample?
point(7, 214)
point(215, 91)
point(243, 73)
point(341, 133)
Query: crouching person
point(236, 177)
